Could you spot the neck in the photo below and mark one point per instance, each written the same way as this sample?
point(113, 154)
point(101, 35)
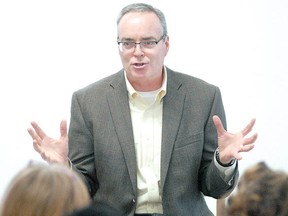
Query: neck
point(147, 85)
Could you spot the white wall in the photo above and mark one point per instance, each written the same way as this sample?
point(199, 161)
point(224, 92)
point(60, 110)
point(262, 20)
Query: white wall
point(48, 49)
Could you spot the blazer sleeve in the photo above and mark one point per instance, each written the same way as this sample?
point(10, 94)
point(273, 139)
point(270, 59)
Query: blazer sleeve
point(211, 178)
point(81, 152)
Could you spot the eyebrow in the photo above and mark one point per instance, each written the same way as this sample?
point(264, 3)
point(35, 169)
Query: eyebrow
point(142, 39)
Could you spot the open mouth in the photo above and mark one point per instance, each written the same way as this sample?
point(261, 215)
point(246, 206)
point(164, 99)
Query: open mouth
point(138, 64)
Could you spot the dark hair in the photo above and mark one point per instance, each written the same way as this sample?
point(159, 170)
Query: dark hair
point(261, 192)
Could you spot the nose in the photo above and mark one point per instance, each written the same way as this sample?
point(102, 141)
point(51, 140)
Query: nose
point(138, 50)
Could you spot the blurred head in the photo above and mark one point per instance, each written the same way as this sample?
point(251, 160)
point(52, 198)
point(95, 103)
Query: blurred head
point(41, 189)
point(262, 191)
point(143, 62)
point(253, 173)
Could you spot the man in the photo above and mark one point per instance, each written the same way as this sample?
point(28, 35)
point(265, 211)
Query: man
point(148, 140)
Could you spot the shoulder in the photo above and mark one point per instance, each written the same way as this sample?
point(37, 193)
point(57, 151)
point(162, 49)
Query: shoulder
point(188, 82)
point(105, 82)
point(102, 86)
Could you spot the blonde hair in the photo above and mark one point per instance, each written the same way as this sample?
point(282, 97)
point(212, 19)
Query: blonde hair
point(44, 190)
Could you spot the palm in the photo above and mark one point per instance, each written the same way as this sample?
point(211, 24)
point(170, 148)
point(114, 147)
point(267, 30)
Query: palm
point(51, 150)
point(230, 145)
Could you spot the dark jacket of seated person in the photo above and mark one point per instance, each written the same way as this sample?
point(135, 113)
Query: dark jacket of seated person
point(96, 210)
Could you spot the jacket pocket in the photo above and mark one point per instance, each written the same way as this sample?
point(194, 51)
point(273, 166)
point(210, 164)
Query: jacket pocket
point(190, 140)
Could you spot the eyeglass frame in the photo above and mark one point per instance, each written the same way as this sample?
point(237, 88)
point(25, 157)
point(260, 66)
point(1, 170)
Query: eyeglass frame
point(155, 42)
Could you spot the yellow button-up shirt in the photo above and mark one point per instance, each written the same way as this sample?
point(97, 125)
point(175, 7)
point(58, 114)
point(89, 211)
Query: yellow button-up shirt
point(146, 115)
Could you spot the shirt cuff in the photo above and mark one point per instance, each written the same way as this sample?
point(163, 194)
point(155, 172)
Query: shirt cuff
point(69, 163)
point(226, 172)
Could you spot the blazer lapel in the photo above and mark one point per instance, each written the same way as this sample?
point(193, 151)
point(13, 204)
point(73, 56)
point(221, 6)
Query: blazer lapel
point(120, 111)
point(172, 110)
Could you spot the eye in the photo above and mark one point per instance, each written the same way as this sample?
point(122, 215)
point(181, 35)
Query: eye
point(127, 44)
point(148, 43)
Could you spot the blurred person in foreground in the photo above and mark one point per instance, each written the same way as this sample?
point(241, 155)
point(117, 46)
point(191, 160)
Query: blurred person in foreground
point(96, 209)
point(148, 140)
point(262, 191)
point(44, 190)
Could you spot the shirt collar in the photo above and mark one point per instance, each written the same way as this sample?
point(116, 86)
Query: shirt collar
point(161, 92)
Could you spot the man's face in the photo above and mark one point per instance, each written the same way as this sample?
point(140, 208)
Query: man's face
point(143, 65)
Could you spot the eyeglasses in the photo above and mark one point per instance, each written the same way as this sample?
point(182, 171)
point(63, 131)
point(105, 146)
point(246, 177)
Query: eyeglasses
point(127, 46)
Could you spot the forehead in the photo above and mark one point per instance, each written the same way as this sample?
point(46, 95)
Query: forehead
point(139, 24)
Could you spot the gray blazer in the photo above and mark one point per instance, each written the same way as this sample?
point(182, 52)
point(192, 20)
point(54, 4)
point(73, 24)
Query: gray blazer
point(101, 145)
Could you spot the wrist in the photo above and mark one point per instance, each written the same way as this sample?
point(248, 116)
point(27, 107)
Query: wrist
point(217, 155)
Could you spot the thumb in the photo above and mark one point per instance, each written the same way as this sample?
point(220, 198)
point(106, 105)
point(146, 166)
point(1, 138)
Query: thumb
point(218, 124)
point(63, 128)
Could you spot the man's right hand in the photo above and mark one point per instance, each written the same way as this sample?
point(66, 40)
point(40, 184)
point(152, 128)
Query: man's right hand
point(51, 150)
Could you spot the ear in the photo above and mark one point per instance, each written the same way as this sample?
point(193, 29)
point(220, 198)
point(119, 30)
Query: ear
point(167, 43)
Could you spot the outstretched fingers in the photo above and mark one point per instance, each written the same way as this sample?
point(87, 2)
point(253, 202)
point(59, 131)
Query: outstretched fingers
point(36, 146)
point(249, 127)
point(251, 139)
point(36, 139)
point(247, 148)
point(248, 143)
point(37, 135)
point(38, 130)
